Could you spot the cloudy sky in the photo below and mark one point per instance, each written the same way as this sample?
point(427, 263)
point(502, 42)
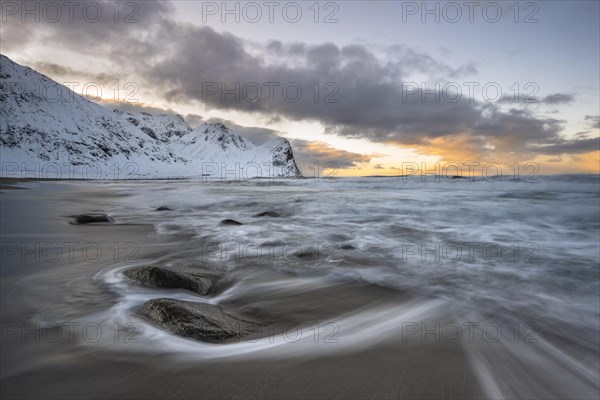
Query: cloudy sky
point(366, 86)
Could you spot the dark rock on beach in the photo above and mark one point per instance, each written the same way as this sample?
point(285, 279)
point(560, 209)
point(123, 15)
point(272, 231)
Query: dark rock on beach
point(200, 321)
point(272, 214)
point(198, 280)
point(162, 208)
point(230, 222)
point(90, 219)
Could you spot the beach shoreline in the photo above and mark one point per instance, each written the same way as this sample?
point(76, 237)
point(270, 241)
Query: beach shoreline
point(357, 338)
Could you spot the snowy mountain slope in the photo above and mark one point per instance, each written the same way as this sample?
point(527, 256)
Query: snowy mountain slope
point(161, 127)
point(44, 126)
point(225, 151)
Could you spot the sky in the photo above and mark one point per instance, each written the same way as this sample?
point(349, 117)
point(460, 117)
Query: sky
point(371, 87)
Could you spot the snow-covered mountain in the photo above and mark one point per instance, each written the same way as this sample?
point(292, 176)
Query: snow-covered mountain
point(219, 143)
point(163, 127)
point(48, 131)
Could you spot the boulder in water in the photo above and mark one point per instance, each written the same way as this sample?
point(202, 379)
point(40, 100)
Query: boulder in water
point(197, 280)
point(200, 321)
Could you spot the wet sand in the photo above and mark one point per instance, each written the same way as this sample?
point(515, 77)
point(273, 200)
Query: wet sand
point(387, 372)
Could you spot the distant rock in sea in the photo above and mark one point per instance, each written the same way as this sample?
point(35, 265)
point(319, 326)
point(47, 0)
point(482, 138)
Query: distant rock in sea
point(90, 219)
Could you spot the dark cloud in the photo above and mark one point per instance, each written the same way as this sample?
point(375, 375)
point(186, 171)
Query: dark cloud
point(594, 121)
point(553, 99)
point(571, 146)
point(558, 98)
point(367, 95)
point(62, 73)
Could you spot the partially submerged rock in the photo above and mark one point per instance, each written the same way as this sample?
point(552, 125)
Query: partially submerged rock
point(230, 222)
point(83, 219)
point(163, 208)
point(198, 280)
point(200, 321)
point(272, 214)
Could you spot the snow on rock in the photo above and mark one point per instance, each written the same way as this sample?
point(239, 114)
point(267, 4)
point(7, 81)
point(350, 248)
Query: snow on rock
point(49, 131)
point(161, 127)
point(225, 153)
